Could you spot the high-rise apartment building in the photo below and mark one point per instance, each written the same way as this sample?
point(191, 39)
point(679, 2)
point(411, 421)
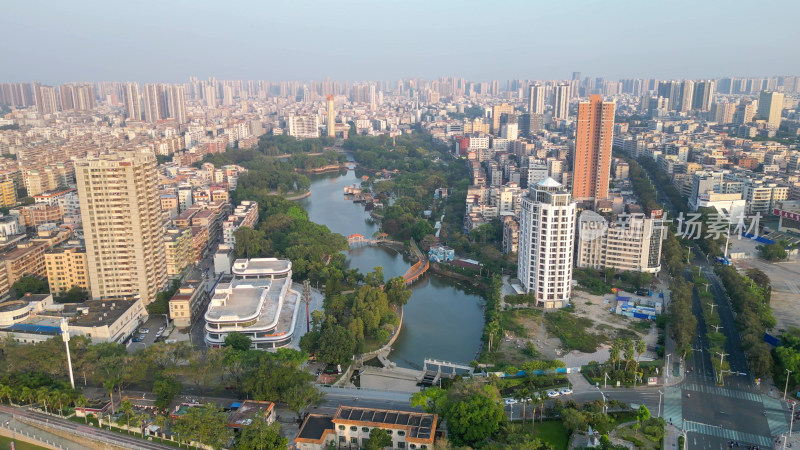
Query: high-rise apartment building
point(536, 99)
point(303, 127)
point(545, 243)
point(703, 95)
point(592, 156)
point(497, 112)
point(722, 112)
point(45, 98)
point(77, 97)
point(671, 90)
point(130, 97)
point(8, 193)
point(744, 112)
point(561, 101)
point(770, 106)
point(122, 223)
point(176, 103)
point(687, 96)
point(66, 268)
point(632, 244)
point(331, 117)
point(155, 100)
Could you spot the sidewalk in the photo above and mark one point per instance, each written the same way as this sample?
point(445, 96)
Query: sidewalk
point(671, 438)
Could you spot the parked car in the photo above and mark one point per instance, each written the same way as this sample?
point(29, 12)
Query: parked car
point(144, 330)
point(138, 338)
point(511, 401)
point(565, 391)
point(551, 393)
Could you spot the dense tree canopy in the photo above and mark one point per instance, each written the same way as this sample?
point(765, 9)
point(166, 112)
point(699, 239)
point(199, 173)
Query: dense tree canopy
point(30, 285)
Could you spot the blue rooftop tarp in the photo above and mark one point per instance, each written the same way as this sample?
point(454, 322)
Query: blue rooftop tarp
point(25, 327)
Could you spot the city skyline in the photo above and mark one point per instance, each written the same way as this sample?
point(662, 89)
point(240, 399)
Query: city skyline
point(389, 40)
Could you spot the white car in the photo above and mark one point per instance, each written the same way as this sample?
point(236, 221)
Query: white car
point(552, 393)
point(144, 330)
point(511, 401)
point(565, 391)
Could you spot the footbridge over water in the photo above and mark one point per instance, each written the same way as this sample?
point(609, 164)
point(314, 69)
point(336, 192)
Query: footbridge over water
point(433, 370)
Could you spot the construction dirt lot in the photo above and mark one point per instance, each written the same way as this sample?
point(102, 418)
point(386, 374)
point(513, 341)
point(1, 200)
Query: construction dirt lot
point(595, 309)
point(784, 277)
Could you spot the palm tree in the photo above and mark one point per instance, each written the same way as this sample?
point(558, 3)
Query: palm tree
point(614, 352)
point(541, 412)
point(27, 394)
point(524, 393)
point(139, 421)
point(63, 397)
point(628, 352)
point(5, 392)
point(641, 347)
point(43, 396)
point(81, 402)
point(127, 408)
point(492, 329)
point(161, 421)
point(108, 385)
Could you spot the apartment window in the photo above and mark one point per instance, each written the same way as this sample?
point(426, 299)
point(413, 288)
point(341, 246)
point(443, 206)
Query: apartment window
point(354, 428)
point(365, 429)
point(354, 440)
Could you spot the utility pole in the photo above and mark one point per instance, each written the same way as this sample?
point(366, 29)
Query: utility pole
point(791, 421)
point(688, 252)
point(711, 305)
point(65, 338)
point(660, 394)
point(605, 380)
point(307, 298)
point(787, 386)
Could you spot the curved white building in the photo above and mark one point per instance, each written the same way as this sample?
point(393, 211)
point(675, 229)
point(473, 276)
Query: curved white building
point(259, 302)
point(546, 244)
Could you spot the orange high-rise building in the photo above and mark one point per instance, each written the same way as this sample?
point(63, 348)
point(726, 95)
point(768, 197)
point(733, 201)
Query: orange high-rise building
point(592, 158)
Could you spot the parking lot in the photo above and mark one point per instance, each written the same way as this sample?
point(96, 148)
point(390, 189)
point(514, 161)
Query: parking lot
point(153, 324)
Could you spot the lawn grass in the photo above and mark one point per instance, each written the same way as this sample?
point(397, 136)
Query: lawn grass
point(551, 432)
point(5, 443)
point(573, 331)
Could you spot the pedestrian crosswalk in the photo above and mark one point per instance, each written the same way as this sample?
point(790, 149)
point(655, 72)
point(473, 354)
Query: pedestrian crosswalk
point(724, 433)
point(672, 406)
point(792, 287)
point(717, 390)
point(776, 416)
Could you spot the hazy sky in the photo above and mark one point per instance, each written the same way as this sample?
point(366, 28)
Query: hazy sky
point(170, 40)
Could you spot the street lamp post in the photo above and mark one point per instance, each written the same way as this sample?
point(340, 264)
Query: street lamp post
point(721, 356)
point(605, 409)
point(605, 380)
point(666, 369)
point(791, 420)
point(65, 338)
point(660, 394)
point(787, 384)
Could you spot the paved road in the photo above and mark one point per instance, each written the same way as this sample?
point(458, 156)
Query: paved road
point(715, 415)
point(84, 431)
point(712, 415)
